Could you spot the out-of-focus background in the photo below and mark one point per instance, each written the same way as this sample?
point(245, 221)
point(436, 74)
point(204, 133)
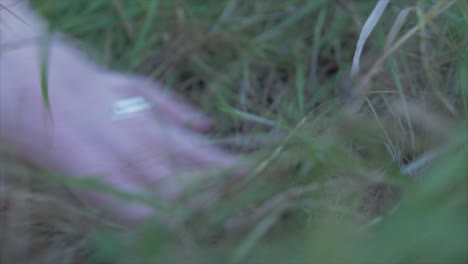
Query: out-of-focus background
point(386, 183)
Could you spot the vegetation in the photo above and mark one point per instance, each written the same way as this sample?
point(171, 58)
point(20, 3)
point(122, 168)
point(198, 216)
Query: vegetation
point(362, 168)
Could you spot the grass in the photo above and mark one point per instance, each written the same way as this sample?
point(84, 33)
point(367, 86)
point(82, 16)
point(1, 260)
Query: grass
point(369, 169)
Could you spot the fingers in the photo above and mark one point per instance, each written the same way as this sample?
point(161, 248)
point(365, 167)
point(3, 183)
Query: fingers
point(76, 154)
point(122, 211)
point(164, 102)
point(132, 154)
point(157, 153)
point(131, 214)
point(139, 146)
point(177, 110)
point(196, 150)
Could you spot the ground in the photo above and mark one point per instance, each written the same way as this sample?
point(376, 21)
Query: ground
point(348, 169)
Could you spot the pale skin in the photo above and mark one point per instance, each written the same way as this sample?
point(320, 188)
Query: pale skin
point(82, 139)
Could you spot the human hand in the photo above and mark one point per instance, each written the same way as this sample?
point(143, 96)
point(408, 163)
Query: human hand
point(141, 153)
point(146, 149)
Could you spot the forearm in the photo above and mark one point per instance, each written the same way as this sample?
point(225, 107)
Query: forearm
point(20, 30)
point(22, 34)
point(19, 25)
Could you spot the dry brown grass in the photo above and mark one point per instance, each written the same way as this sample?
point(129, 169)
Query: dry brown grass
point(314, 163)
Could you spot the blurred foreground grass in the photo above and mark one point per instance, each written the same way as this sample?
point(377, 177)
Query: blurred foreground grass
point(388, 184)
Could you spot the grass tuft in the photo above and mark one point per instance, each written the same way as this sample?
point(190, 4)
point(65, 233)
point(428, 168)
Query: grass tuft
point(353, 163)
